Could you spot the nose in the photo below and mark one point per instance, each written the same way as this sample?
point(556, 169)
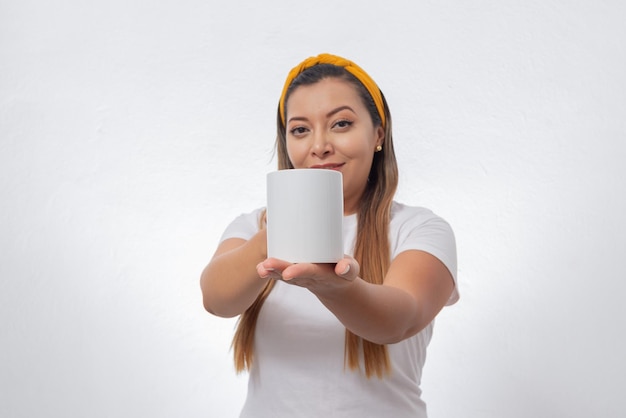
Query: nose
point(322, 145)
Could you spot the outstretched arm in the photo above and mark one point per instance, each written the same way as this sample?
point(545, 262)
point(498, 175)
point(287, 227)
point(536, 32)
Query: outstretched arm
point(230, 282)
point(414, 290)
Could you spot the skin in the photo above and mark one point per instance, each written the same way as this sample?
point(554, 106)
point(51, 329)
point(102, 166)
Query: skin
point(329, 127)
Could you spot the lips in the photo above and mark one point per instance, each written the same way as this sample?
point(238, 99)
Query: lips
point(329, 166)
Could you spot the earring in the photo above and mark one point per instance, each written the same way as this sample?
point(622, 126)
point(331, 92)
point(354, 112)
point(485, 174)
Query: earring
point(379, 148)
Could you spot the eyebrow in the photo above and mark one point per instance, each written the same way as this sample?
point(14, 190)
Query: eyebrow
point(329, 114)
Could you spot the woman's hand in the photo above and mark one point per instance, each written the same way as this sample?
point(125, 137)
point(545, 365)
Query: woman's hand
point(416, 287)
point(318, 278)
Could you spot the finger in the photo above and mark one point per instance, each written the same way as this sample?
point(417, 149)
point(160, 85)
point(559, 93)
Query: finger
point(347, 268)
point(263, 271)
point(304, 270)
point(275, 264)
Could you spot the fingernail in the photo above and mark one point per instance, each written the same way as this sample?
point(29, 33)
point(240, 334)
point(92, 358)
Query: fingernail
point(346, 270)
point(267, 270)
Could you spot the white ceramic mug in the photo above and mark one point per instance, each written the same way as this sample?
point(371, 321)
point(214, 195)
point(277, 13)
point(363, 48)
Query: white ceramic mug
point(305, 215)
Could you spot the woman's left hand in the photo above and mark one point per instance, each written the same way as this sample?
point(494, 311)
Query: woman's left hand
point(315, 277)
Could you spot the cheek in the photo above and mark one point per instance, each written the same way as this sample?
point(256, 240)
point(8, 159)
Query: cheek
point(289, 152)
point(295, 152)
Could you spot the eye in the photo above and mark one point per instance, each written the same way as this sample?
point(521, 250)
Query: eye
point(298, 130)
point(343, 124)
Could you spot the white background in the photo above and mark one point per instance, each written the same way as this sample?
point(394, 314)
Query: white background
point(132, 132)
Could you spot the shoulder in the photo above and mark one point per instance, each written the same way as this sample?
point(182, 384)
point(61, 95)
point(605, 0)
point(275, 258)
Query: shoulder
point(414, 221)
point(418, 228)
point(244, 225)
point(252, 216)
point(405, 216)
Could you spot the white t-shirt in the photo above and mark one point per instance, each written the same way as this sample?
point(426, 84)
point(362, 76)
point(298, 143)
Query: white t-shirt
point(298, 368)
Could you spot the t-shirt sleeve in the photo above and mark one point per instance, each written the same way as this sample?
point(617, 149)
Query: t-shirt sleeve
point(430, 233)
point(243, 226)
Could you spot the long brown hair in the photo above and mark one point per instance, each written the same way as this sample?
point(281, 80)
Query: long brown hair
point(372, 248)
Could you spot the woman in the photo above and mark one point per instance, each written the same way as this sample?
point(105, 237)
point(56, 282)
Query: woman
point(348, 339)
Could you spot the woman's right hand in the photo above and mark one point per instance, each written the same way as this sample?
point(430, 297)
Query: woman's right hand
point(319, 278)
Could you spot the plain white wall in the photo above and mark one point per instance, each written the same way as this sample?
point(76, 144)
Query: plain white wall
point(132, 132)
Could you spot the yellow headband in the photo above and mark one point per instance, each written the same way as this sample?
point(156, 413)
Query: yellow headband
point(351, 67)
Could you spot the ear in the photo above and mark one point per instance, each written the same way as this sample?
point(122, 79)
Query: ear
point(380, 136)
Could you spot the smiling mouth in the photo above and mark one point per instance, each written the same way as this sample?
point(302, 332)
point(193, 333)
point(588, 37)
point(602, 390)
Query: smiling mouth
point(328, 166)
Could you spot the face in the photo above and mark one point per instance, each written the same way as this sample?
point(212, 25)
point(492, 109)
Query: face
point(329, 127)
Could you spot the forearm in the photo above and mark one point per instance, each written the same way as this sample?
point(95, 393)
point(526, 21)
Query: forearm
point(378, 313)
point(230, 283)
